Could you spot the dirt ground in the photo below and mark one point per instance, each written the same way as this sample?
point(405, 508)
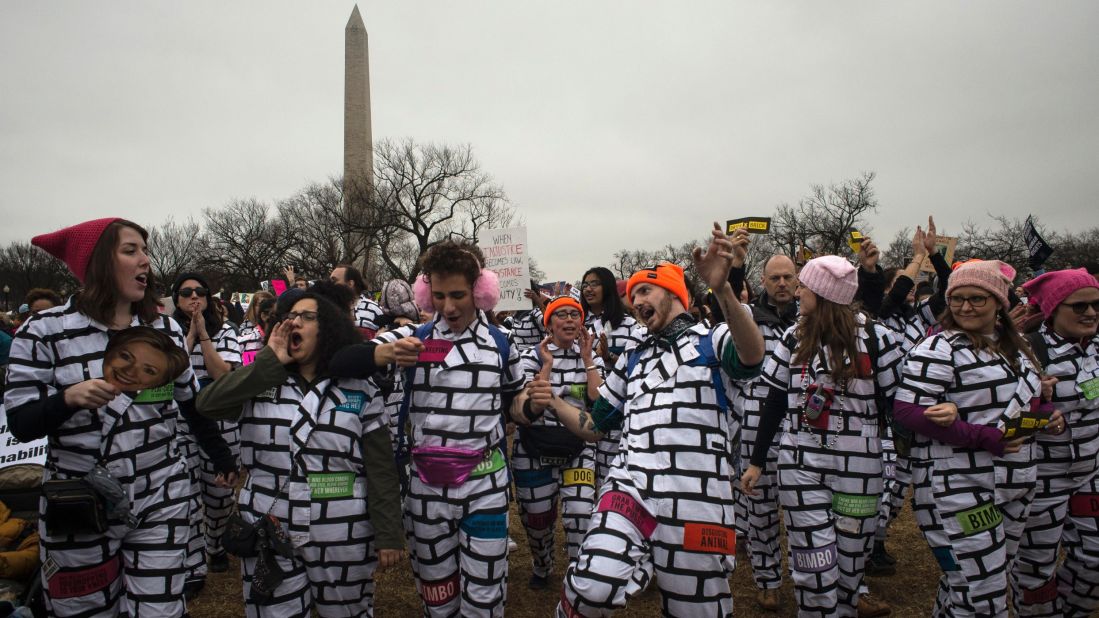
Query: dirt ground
point(910, 591)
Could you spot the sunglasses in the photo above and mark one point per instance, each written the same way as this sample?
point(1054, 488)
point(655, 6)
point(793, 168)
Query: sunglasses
point(200, 292)
point(1081, 308)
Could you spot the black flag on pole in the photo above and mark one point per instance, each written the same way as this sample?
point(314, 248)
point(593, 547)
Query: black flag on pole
point(1039, 249)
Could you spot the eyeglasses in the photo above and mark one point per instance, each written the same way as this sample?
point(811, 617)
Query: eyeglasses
point(1081, 307)
point(590, 284)
point(567, 314)
point(200, 292)
point(956, 302)
point(306, 316)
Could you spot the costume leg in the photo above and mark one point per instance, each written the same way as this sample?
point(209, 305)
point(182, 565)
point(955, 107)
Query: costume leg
point(615, 562)
point(763, 526)
point(691, 583)
point(340, 560)
point(196, 541)
point(577, 499)
point(292, 599)
point(811, 536)
point(1033, 580)
point(536, 490)
point(153, 557)
point(217, 501)
point(1078, 576)
point(81, 574)
point(434, 526)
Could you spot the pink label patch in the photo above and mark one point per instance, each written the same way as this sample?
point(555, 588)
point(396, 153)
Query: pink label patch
point(626, 506)
point(368, 333)
point(541, 521)
point(80, 583)
point(247, 358)
point(435, 351)
point(441, 592)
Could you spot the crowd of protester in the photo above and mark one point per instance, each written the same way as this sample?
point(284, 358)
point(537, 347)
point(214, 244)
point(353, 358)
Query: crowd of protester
point(326, 433)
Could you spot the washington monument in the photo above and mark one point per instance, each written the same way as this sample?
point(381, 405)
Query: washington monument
point(358, 144)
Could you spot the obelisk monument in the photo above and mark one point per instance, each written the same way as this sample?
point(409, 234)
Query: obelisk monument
point(358, 144)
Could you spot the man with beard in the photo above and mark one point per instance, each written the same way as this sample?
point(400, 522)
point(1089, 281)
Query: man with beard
point(666, 507)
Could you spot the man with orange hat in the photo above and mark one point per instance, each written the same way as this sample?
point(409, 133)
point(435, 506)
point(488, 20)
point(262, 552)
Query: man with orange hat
point(666, 508)
point(549, 461)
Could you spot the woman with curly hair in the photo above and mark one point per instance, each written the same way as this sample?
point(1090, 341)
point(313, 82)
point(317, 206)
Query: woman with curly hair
point(320, 471)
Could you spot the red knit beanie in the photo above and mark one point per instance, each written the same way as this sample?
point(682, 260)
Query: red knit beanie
point(665, 275)
point(73, 245)
point(1051, 289)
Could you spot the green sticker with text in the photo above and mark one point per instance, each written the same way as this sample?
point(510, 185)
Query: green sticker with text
point(490, 464)
point(979, 519)
point(156, 395)
point(1090, 388)
point(854, 505)
point(331, 485)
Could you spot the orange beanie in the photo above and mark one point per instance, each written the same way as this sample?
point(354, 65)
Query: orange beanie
point(557, 303)
point(666, 275)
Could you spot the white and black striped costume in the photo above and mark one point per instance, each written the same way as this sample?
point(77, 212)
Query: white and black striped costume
point(137, 571)
point(323, 504)
point(212, 504)
point(830, 473)
point(460, 531)
point(967, 500)
point(251, 341)
point(367, 313)
point(667, 503)
point(757, 516)
point(1065, 511)
point(527, 329)
point(538, 485)
point(621, 340)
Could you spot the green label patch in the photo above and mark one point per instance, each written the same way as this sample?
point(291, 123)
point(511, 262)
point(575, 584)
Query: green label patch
point(159, 394)
point(854, 505)
point(979, 519)
point(491, 464)
point(331, 485)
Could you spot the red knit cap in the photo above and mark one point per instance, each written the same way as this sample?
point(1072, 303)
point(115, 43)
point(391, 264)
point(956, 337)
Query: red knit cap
point(992, 276)
point(666, 275)
point(557, 303)
point(73, 245)
point(1051, 289)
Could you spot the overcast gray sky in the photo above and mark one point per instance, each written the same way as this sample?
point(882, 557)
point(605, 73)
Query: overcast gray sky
point(610, 124)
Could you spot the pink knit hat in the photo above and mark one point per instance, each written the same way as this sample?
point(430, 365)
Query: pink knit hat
point(992, 276)
point(73, 245)
point(830, 277)
point(1051, 289)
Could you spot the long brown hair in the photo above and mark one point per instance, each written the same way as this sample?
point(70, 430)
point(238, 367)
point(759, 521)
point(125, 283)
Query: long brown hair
point(253, 306)
point(832, 326)
point(100, 294)
point(1008, 341)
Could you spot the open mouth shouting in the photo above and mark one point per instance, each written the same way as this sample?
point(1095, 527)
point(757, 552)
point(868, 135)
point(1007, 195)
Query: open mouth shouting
point(295, 343)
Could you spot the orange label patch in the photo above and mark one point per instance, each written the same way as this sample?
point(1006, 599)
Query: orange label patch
point(709, 538)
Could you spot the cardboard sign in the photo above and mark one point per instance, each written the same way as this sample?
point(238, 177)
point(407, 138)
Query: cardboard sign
point(435, 351)
point(556, 288)
point(505, 253)
point(754, 225)
point(854, 240)
point(944, 246)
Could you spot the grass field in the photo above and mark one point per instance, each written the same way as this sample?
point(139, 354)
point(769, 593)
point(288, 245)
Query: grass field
point(910, 591)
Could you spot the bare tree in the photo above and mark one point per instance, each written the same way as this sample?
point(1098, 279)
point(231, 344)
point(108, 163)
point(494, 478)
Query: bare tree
point(823, 220)
point(1004, 240)
point(244, 245)
point(1074, 249)
point(174, 248)
point(24, 266)
point(899, 251)
point(432, 192)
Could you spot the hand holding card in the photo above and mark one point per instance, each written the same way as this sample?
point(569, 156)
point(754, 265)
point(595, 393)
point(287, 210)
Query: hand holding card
point(435, 351)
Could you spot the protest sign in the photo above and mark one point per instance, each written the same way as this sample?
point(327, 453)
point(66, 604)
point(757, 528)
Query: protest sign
point(14, 452)
point(505, 253)
point(854, 240)
point(1039, 249)
point(754, 225)
point(944, 246)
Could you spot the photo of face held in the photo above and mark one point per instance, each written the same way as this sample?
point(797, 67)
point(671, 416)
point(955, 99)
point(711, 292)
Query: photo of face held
point(140, 357)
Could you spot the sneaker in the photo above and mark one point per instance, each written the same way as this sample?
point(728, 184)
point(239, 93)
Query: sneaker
point(870, 607)
point(512, 545)
point(217, 563)
point(767, 599)
point(537, 582)
point(192, 588)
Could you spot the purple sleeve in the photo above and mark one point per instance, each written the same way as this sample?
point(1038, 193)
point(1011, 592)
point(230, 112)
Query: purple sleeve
point(959, 433)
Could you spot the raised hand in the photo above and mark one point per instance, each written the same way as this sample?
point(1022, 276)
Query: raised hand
point(279, 341)
point(713, 265)
point(930, 237)
point(406, 351)
point(919, 251)
point(290, 275)
point(586, 341)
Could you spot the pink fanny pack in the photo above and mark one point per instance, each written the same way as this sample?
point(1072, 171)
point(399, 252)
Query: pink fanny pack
point(444, 465)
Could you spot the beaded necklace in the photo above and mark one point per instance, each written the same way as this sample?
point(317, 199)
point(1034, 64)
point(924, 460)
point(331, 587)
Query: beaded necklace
point(837, 400)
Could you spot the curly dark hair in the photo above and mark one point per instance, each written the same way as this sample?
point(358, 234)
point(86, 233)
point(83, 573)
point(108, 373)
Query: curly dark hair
point(453, 258)
point(37, 294)
point(340, 295)
point(335, 330)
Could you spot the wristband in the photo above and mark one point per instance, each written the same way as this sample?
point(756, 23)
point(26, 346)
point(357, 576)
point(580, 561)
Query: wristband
point(591, 367)
point(206, 339)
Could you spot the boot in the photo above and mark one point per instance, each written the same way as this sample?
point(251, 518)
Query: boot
point(880, 563)
point(870, 607)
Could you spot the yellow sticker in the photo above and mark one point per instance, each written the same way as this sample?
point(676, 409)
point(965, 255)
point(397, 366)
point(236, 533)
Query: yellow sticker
point(754, 225)
point(579, 476)
point(854, 240)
